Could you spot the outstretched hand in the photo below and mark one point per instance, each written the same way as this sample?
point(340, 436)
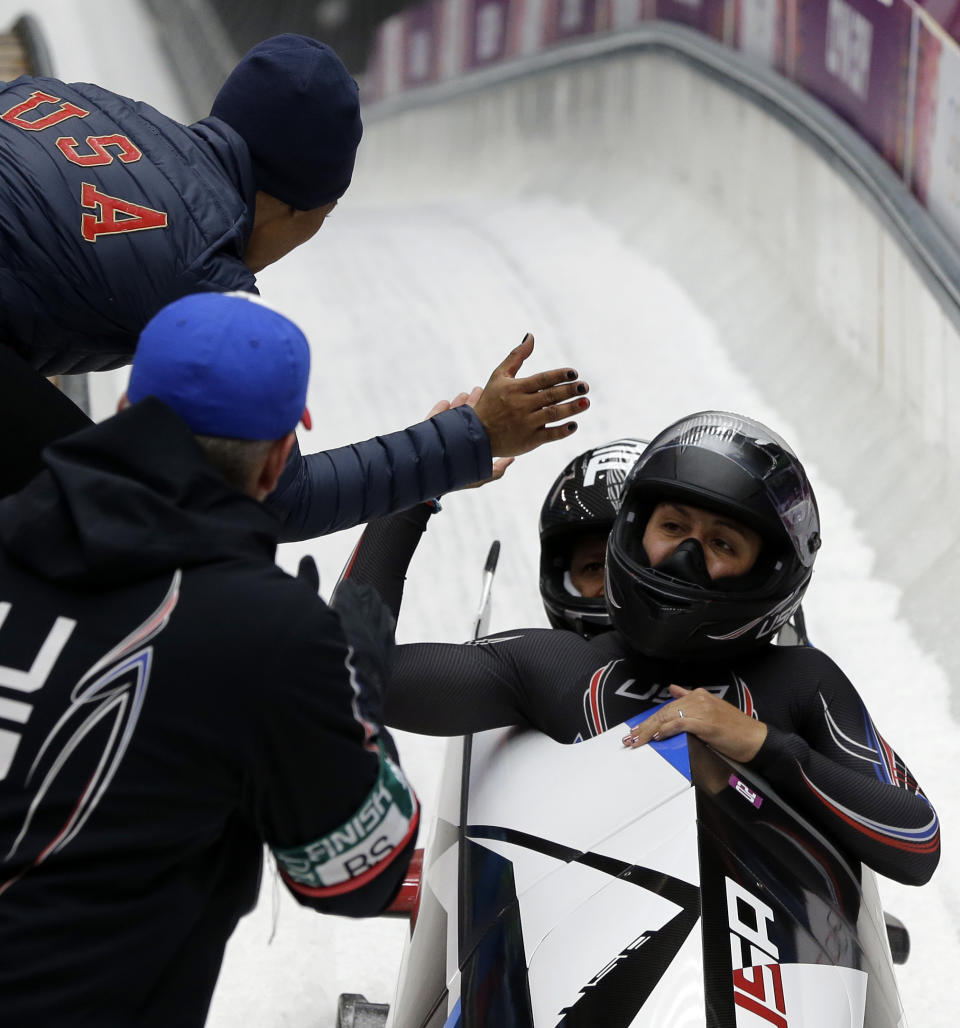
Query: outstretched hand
point(728, 730)
point(501, 464)
point(516, 412)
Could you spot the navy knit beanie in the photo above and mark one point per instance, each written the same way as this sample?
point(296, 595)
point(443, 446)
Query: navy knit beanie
point(298, 110)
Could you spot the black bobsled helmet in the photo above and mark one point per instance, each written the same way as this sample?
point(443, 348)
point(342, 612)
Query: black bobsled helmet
point(585, 498)
point(731, 465)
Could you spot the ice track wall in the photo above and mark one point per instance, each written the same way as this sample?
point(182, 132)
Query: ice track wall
point(829, 285)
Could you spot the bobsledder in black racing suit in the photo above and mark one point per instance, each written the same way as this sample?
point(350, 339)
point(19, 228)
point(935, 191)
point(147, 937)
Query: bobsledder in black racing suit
point(822, 751)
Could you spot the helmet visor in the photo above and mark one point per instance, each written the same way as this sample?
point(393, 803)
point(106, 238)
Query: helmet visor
point(761, 457)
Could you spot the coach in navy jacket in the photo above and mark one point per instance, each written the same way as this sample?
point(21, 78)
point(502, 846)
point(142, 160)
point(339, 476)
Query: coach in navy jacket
point(109, 210)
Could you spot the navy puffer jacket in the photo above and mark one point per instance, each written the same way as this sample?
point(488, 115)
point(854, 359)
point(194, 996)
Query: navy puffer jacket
point(108, 211)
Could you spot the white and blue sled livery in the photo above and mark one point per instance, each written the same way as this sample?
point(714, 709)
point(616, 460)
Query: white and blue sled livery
point(591, 886)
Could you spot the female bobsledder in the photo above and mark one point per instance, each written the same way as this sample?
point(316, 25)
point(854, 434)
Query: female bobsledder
point(709, 556)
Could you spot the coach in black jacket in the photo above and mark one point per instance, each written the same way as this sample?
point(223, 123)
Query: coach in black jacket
point(170, 700)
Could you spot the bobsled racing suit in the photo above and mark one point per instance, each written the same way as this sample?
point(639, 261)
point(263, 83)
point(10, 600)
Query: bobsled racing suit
point(109, 210)
point(822, 751)
point(171, 701)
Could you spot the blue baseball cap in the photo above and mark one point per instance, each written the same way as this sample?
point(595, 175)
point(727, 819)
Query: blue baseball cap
point(227, 363)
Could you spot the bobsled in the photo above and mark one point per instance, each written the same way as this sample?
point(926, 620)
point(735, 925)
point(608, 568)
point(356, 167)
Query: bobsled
point(592, 886)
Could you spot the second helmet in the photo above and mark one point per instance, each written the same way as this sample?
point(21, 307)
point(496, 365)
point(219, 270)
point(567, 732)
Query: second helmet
point(584, 499)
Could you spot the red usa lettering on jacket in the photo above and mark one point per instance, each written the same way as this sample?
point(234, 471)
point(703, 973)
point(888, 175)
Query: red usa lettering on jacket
point(113, 213)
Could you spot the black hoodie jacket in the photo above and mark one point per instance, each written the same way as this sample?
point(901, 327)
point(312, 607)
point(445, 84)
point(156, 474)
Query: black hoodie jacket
point(169, 700)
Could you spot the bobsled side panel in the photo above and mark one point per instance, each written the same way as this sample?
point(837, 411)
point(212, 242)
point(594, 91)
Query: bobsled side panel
point(821, 994)
point(430, 960)
point(493, 983)
point(677, 999)
point(455, 1020)
point(525, 781)
point(552, 883)
point(781, 907)
point(601, 933)
point(602, 963)
point(883, 998)
point(663, 839)
point(448, 799)
point(595, 887)
point(422, 987)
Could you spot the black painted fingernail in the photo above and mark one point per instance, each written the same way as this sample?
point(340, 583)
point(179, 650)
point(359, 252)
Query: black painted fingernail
point(571, 374)
point(581, 388)
point(572, 426)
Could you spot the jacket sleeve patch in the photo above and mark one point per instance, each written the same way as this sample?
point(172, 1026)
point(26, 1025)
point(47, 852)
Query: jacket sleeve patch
point(358, 850)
